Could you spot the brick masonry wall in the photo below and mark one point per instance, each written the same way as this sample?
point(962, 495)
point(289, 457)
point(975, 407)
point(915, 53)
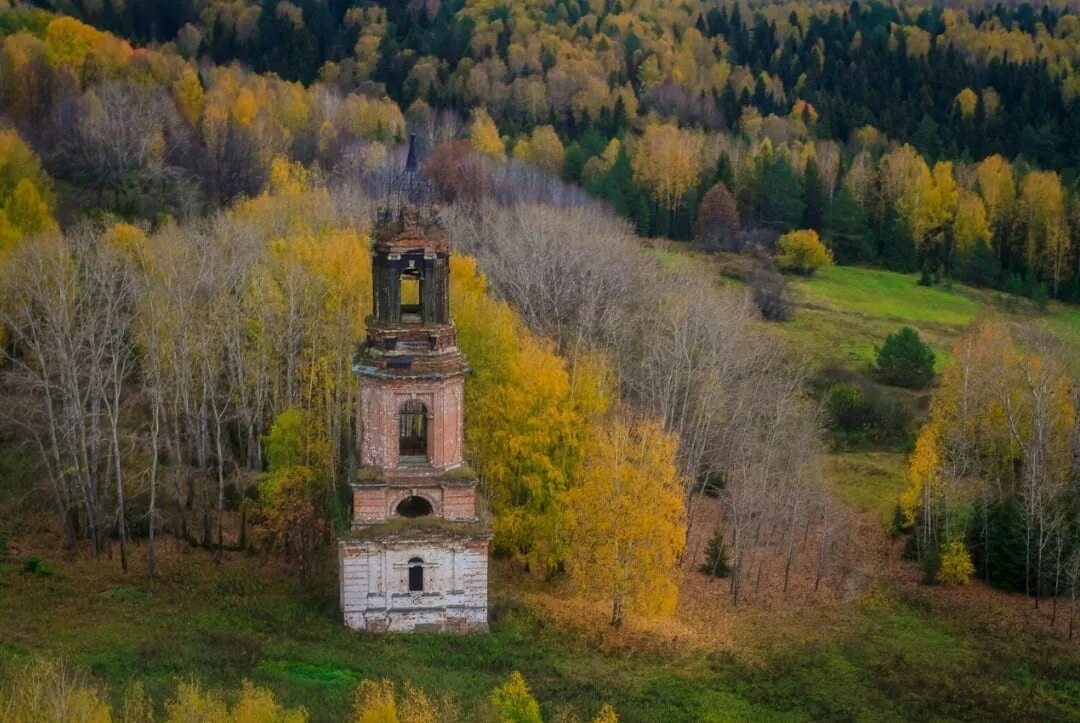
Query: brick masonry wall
point(380, 401)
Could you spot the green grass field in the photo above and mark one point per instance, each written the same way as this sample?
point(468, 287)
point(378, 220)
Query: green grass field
point(843, 312)
point(868, 481)
point(886, 657)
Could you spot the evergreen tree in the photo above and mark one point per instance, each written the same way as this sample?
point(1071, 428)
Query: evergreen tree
point(905, 359)
point(847, 233)
point(782, 203)
point(716, 557)
point(813, 194)
point(896, 246)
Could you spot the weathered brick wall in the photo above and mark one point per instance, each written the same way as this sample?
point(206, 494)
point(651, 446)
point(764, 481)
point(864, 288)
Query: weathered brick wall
point(374, 503)
point(375, 585)
point(380, 402)
point(459, 502)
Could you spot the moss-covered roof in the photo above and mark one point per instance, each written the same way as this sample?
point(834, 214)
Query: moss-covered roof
point(427, 526)
point(375, 475)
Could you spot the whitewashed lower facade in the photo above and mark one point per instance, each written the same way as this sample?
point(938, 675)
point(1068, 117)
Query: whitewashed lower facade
point(375, 584)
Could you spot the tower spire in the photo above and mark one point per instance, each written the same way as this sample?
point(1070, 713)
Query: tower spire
point(410, 161)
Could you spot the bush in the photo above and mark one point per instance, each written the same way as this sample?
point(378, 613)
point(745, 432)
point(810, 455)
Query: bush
point(36, 566)
point(860, 410)
point(716, 559)
point(956, 567)
point(770, 292)
point(847, 407)
point(802, 252)
point(512, 702)
point(900, 524)
point(905, 360)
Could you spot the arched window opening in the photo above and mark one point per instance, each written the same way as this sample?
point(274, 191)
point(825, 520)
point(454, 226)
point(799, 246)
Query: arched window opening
point(416, 575)
point(414, 506)
point(412, 296)
point(412, 432)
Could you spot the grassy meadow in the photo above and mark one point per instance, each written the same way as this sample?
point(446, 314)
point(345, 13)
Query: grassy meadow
point(891, 655)
point(843, 312)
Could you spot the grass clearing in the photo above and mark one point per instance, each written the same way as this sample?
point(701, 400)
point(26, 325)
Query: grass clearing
point(882, 657)
point(868, 481)
point(843, 312)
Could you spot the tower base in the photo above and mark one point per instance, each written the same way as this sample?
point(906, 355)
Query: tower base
point(378, 572)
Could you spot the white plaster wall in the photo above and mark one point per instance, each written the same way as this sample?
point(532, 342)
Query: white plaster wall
point(375, 588)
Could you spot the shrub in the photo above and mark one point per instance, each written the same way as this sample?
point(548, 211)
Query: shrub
point(35, 565)
point(716, 559)
point(802, 252)
point(606, 715)
point(847, 407)
point(905, 359)
point(512, 702)
point(956, 567)
point(42, 689)
point(770, 292)
point(882, 415)
point(900, 524)
point(375, 701)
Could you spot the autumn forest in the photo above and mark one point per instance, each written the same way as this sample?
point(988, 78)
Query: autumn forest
point(772, 319)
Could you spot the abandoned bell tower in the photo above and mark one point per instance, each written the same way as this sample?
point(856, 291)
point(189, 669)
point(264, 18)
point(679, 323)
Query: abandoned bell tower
point(416, 557)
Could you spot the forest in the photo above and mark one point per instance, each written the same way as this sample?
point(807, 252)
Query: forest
point(770, 309)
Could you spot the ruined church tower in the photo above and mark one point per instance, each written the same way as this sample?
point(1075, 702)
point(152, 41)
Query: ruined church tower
point(416, 557)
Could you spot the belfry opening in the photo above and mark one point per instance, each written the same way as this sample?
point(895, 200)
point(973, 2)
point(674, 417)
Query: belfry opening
point(413, 506)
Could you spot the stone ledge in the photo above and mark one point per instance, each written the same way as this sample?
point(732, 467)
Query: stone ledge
point(397, 529)
point(374, 476)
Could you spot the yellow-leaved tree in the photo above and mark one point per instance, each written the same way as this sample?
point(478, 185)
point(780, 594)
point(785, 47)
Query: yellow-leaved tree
point(512, 702)
point(379, 701)
point(627, 521)
point(484, 135)
point(667, 160)
point(1049, 247)
point(528, 422)
point(542, 149)
point(802, 252)
point(26, 205)
point(194, 704)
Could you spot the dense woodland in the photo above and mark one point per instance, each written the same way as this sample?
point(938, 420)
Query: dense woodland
point(592, 90)
point(187, 191)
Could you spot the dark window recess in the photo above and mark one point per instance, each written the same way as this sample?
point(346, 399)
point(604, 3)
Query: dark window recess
point(416, 575)
point(412, 430)
point(414, 507)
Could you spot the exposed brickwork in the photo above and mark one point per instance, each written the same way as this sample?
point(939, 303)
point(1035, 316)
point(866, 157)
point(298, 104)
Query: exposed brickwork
point(409, 360)
point(381, 401)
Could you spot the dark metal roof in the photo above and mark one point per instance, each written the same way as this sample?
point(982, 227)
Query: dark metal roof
point(411, 165)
